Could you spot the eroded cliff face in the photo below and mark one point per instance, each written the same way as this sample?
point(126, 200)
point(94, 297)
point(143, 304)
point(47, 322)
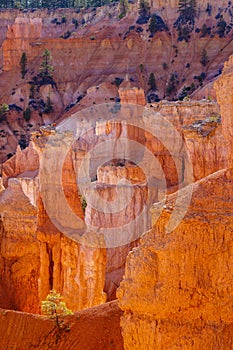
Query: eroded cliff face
point(19, 250)
point(101, 49)
point(223, 87)
point(35, 255)
point(80, 273)
point(177, 289)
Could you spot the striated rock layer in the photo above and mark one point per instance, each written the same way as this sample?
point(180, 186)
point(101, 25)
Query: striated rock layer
point(95, 328)
point(104, 50)
point(177, 290)
point(35, 256)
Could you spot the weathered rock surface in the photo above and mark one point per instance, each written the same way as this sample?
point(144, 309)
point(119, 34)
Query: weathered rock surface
point(19, 250)
point(180, 283)
point(184, 285)
point(95, 328)
point(104, 50)
point(25, 161)
point(35, 255)
point(224, 92)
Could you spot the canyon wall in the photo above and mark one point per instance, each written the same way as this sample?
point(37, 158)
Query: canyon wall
point(35, 256)
point(83, 274)
point(102, 50)
point(177, 289)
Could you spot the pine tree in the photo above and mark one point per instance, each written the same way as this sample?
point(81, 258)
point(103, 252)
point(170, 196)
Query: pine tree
point(187, 9)
point(4, 108)
point(152, 82)
point(123, 8)
point(183, 6)
point(153, 24)
point(53, 306)
point(27, 114)
point(46, 69)
point(204, 58)
point(144, 8)
point(171, 86)
point(23, 64)
point(32, 91)
point(49, 105)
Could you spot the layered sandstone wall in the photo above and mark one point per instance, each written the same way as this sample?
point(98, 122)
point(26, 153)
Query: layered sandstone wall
point(79, 272)
point(177, 289)
point(99, 51)
point(19, 250)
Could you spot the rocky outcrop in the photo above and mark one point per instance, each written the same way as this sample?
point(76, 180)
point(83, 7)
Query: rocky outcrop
point(108, 52)
point(35, 255)
point(177, 289)
point(130, 94)
point(224, 92)
point(95, 328)
point(200, 126)
point(51, 257)
point(24, 162)
point(19, 250)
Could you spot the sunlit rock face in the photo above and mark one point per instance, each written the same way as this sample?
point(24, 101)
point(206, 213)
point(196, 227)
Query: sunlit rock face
point(19, 249)
point(224, 92)
point(178, 282)
point(130, 94)
point(177, 288)
point(35, 255)
point(93, 274)
point(24, 162)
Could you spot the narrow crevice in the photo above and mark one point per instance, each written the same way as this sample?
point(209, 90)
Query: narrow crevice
point(51, 266)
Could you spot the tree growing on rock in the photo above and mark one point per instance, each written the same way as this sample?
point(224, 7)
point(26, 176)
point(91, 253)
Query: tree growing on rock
point(49, 105)
point(123, 8)
point(143, 8)
point(4, 108)
point(187, 9)
point(152, 82)
point(55, 308)
point(204, 58)
point(46, 69)
point(27, 114)
point(23, 64)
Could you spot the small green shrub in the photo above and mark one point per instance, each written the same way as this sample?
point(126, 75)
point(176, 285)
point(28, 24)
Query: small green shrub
point(63, 19)
point(204, 58)
point(27, 114)
point(75, 22)
point(53, 306)
point(49, 105)
point(141, 67)
point(83, 203)
point(23, 64)
point(152, 82)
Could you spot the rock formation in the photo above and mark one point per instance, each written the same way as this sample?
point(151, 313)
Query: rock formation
point(25, 331)
point(177, 289)
point(56, 233)
point(108, 52)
